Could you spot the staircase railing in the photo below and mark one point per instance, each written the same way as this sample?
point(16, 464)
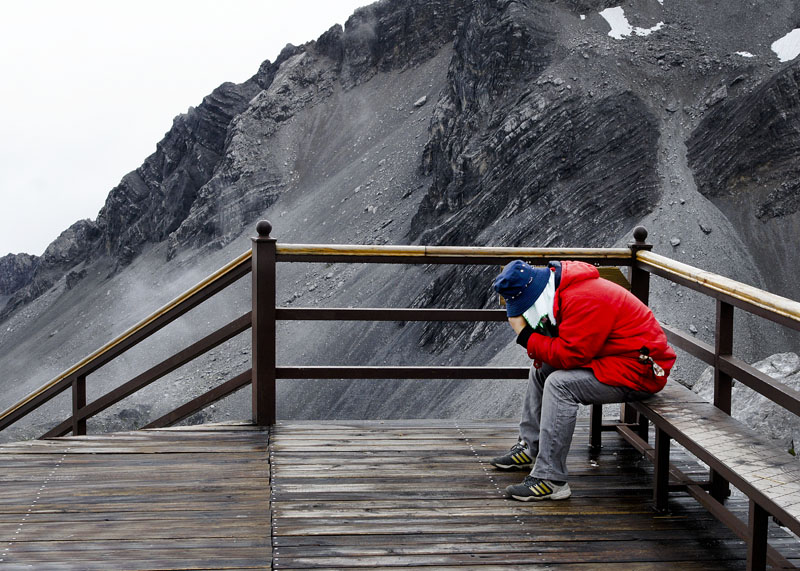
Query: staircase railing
point(262, 261)
point(75, 376)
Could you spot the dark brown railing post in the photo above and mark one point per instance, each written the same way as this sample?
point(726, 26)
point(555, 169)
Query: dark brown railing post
point(723, 347)
point(264, 260)
point(78, 402)
point(640, 287)
point(640, 279)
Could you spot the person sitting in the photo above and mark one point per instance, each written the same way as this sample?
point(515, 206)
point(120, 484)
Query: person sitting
point(592, 342)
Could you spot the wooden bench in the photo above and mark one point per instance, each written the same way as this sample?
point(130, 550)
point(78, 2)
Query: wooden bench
point(766, 473)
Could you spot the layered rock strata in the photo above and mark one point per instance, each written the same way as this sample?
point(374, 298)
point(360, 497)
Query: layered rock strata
point(746, 158)
point(458, 122)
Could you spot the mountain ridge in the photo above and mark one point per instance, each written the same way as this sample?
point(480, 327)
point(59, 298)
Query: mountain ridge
point(450, 122)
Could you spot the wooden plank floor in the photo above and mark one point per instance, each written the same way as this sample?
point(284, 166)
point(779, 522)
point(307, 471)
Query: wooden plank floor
point(422, 494)
point(158, 499)
point(345, 495)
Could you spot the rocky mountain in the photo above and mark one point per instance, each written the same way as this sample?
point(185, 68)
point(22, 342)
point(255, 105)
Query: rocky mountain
point(454, 122)
point(744, 154)
point(64, 258)
point(16, 272)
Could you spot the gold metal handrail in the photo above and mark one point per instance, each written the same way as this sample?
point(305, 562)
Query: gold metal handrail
point(449, 251)
point(746, 293)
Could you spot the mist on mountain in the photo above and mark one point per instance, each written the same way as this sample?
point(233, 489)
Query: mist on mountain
point(441, 122)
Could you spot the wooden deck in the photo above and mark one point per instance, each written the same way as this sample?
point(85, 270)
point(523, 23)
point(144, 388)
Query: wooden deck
point(338, 496)
point(155, 499)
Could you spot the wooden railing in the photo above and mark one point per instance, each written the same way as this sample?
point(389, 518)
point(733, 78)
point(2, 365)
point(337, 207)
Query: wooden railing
point(728, 294)
point(75, 376)
point(266, 253)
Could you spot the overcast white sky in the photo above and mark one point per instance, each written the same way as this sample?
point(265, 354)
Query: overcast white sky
point(88, 87)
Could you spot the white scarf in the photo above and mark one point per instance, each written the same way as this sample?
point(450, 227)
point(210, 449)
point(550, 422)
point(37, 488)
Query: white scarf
point(543, 305)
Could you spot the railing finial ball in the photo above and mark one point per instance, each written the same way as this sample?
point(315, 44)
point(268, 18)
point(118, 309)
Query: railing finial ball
point(263, 227)
point(640, 234)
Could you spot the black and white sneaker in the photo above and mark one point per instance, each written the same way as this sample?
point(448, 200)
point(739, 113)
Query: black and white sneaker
point(518, 458)
point(536, 489)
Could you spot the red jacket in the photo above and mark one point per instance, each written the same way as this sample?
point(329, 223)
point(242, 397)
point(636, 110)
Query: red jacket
point(602, 326)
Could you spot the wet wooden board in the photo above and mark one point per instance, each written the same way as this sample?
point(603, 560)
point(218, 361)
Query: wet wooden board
point(157, 499)
point(342, 495)
point(757, 465)
point(354, 495)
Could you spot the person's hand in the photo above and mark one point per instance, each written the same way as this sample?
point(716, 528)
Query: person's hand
point(517, 323)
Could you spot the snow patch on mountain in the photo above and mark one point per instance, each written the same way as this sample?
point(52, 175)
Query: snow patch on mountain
point(621, 28)
point(788, 47)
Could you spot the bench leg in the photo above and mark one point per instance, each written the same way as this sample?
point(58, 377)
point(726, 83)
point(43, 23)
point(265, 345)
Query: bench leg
point(595, 425)
point(757, 542)
point(720, 488)
point(661, 476)
point(627, 414)
point(643, 430)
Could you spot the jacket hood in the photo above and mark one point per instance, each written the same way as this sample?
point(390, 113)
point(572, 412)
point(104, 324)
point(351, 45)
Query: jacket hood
point(573, 272)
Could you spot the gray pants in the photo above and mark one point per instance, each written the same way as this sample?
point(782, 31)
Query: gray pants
point(550, 410)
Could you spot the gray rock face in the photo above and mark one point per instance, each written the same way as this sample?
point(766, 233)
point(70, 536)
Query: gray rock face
point(584, 6)
point(459, 122)
point(745, 156)
point(72, 248)
point(498, 48)
point(255, 171)
point(152, 201)
point(16, 271)
point(564, 141)
point(502, 124)
point(750, 143)
point(556, 173)
point(387, 36)
point(755, 410)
